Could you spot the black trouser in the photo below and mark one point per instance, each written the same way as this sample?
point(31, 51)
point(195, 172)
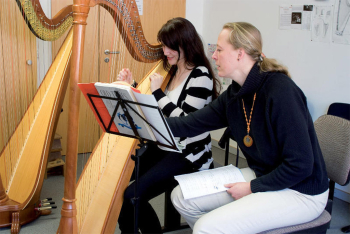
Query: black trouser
point(157, 169)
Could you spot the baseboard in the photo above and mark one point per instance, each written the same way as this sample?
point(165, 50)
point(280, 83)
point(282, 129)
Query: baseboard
point(342, 195)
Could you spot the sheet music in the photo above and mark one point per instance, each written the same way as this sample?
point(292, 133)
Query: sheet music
point(208, 181)
point(154, 118)
point(120, 120)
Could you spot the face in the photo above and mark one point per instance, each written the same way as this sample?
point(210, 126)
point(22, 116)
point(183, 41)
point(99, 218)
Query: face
point(225, 56)
point(173, 55)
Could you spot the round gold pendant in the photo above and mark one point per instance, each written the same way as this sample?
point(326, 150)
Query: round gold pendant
point(248, 141)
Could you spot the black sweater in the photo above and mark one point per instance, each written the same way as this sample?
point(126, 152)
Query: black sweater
point(285, 152)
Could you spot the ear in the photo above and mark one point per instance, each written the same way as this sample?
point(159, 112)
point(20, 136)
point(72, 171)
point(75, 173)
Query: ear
point(241, 52)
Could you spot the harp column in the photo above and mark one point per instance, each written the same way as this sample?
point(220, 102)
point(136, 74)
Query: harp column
point(68, 223)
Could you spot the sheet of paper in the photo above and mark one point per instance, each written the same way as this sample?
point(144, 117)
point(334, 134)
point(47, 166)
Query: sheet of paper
point(120, 120)
point(321, 24)
point(341, 22)
point(297, 11)
point(285, 17)
point(155, 118)
point(306, 17)
point(208, 181)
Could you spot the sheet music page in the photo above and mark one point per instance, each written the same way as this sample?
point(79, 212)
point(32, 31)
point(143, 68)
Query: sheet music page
point(120, 120)
point(208, 181)
point(154, 118)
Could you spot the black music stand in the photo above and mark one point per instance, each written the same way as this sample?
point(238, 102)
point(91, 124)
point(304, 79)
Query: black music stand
point(139, 152)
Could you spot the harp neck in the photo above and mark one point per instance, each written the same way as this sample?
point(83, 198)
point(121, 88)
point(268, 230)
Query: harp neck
point(124, 13)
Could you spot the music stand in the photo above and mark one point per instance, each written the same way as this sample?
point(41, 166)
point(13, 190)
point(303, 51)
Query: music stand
point(139, 152)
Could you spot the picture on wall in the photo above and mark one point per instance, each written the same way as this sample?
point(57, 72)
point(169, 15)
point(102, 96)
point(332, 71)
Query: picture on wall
point(341, 22)
point(321, 24)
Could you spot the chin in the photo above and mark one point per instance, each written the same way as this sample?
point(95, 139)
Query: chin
point(221, 74)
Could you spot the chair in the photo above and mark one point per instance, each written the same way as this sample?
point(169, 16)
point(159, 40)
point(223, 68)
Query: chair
point(333, 135)
point(341, 110)
point(224, 143)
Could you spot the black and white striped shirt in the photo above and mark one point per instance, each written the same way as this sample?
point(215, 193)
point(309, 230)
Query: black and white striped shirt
point(196, 93)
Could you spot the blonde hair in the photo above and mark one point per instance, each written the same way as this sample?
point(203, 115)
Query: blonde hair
point(246, 36)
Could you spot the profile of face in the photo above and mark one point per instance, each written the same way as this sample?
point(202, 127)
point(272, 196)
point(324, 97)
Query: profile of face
point(225, 55)
point(173, 55)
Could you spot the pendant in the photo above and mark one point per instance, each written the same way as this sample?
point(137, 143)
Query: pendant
point(248, 141)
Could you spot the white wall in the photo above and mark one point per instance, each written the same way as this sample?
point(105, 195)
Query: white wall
point(321, 70)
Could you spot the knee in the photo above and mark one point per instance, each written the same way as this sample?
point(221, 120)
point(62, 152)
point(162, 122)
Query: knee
point(204, 226)
point(129, 192)
point(177, 197)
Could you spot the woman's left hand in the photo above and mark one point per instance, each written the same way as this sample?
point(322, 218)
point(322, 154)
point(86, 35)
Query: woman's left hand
point(156, 81)
point(238, 190)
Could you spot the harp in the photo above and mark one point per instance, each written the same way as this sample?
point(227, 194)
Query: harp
point(81, 201)
point(24, 154)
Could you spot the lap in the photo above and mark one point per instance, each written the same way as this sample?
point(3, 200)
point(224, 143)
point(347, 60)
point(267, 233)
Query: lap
point(261, 211)
point(220, 213)
point(157, 171)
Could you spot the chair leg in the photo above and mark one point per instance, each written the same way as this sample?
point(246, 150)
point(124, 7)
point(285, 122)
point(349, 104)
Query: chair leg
point(345, 229)
point(227, 151)
point(172, 218)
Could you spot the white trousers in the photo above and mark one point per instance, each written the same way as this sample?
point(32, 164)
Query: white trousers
point(254, 213)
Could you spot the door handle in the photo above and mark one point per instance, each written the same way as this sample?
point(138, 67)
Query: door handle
point(107, 52)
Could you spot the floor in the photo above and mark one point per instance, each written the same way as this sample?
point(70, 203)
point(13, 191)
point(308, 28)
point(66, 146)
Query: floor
point(53, 187)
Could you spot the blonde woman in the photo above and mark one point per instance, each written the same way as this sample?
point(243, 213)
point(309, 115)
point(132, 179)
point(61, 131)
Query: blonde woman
point(286, 181)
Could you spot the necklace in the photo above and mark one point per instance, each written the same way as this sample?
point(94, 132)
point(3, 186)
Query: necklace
point(248, 140)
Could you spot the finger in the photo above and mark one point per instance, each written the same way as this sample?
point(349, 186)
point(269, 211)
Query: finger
point(228, 185)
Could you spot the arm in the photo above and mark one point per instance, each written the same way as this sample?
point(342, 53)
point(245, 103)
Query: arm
point(209, 118)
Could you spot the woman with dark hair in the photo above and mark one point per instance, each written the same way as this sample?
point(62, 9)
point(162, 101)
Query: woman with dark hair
point(191, 87)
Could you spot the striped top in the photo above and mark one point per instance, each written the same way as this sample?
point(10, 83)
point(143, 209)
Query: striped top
point(196, 93)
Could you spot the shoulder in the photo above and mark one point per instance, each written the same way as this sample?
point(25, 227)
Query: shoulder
point(283, 93)
point(278, 84)
point(200, 71)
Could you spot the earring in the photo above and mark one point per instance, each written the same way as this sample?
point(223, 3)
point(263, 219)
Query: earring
point(237, 59)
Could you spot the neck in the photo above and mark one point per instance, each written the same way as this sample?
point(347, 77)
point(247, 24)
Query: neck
point(181, 67)
point(241, 74)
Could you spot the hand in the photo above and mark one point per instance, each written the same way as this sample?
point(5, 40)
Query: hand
point(156, 81)
point(125, 75)
point(238, 190)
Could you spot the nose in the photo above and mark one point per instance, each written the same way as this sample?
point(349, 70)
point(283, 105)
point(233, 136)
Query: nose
point(214, 56)
point(165, 50)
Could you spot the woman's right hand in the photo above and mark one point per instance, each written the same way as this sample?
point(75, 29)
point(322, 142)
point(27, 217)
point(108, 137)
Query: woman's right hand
point(125, 75)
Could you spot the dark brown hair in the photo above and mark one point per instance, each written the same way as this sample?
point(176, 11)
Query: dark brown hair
point(180, 33)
